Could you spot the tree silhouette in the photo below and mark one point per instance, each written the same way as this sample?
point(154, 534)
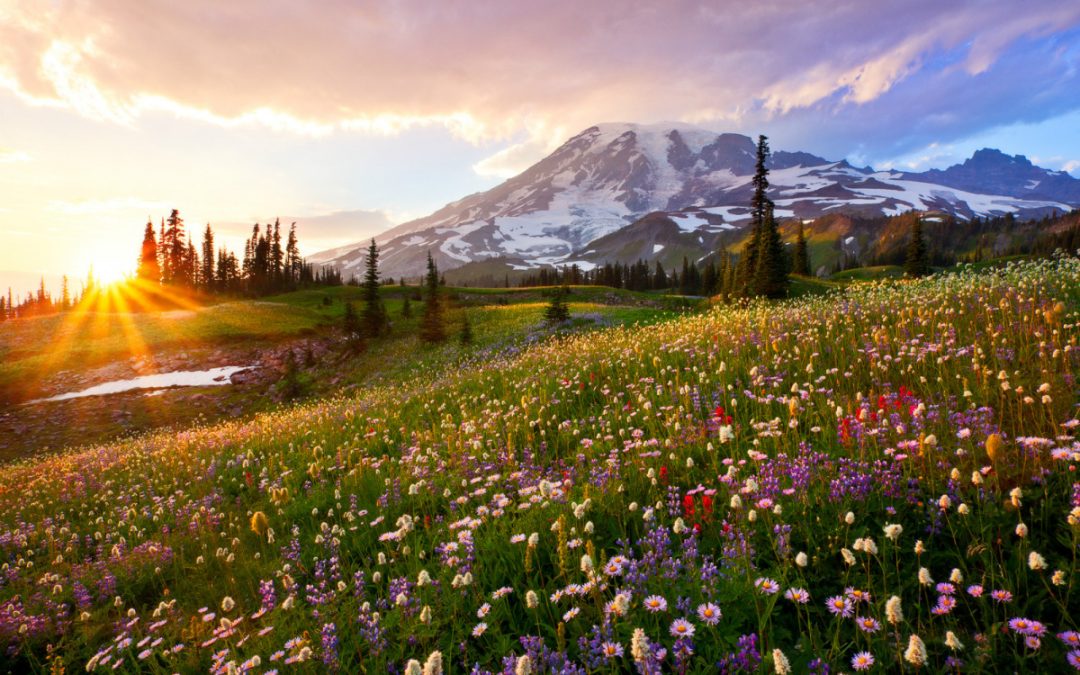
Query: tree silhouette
point(801, 263)
point(917, 259)
point(431, 323)
point(148, 269)
point(375, 320)
point(558, 311)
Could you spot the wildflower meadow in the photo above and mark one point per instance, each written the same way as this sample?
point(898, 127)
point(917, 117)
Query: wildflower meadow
point(883, 478)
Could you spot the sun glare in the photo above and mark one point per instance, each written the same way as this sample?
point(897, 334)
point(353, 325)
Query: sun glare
point(111, 267)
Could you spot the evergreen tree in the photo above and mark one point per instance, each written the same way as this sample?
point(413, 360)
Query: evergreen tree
point(174, 250)
point(206, 276)
point(917, 260)
point(277, 255)
point(431, 323)
point(406, 308)
point(43, 301)
point(354, 332)
point(221, 278)
point(760, 206)
point(293, 262)
point(770, 269)
point(801, 262)
point(191, 265)
point(65, 292)
point(723, 272)
point(684, 286)
point(763, 266)
point(558, 311)
point(3, 309)
point(161, 253)
point(248, 269)
point(292, 384)
point(375, 319)
point(149, 269)
point(466, 336)
point(660, 280)
point(709, 283)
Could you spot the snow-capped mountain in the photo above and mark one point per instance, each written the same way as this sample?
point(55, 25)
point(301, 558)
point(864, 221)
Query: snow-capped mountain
point(609, 176)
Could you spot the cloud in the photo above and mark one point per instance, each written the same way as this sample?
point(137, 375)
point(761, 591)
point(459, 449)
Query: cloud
point(114, 205)
point(523, 72)
point(540, 139)
point(13, 156)
point(319, 232)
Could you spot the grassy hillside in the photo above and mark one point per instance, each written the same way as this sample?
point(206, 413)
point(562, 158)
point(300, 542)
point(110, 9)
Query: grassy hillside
point(31, 349)
point(258, 333)
point(825, 479)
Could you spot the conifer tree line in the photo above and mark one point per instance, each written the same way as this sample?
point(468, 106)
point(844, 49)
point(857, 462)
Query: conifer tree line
point(270, 262)
point(42, 301)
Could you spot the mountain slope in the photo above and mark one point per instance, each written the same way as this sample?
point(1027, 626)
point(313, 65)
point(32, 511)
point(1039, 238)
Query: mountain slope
point(994, 171)
point(566, 207)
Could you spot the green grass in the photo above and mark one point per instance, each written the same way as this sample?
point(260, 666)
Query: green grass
point(802, 286)
point(869, 273)
point(31, 349)
point(990, 264)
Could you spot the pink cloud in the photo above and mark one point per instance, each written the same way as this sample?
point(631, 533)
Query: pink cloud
point(487, 70)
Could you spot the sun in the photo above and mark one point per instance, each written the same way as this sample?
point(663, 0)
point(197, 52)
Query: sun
point(111, 266)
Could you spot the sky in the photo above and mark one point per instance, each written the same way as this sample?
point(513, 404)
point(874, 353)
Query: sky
point(348, 116)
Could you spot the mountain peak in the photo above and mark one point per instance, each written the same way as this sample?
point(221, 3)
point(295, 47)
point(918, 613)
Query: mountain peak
point(655, 135)
point(995, 157)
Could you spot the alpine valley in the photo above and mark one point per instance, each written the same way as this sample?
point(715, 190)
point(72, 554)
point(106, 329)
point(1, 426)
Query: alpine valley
point(629, 192)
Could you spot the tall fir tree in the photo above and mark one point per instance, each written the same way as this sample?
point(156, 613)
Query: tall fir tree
point(174, 250)
point(149, 270)
point(191, 265)
point(723, 282)
point(760, 206)
point(709, 283)
point(770, 268)
point(248, 268)
point(762, 267)
point(660, 279)
point(375, 319)
point(557, 311)
point(277, 256)
point(354, 330)
point(161, 253)
point(221, 272)
point(466, 336)
point(293, 262)
point(432, 328)
point(206, 276)
point(917, 258)
point(65, 294)
point(801, 262)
